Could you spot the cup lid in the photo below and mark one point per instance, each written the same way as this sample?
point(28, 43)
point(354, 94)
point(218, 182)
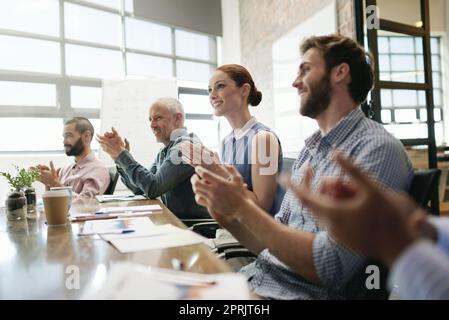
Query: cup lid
point(61, 188)
point(54, 193)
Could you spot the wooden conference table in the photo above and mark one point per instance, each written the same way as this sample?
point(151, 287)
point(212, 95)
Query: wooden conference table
point(34, 258)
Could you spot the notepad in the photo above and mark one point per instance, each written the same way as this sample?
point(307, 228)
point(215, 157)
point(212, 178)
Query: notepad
point(144, 231)
point(140, 226)
point(166, 240)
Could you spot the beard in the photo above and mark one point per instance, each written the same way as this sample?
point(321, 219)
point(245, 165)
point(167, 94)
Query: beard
point(318, 98)
point(75, 149)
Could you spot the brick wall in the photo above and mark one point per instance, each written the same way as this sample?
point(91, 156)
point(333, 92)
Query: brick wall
point(264, 21)
point(346, 17)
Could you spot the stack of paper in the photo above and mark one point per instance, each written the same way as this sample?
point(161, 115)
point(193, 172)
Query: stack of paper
point(118, 227)
point(117, 212)
point(132, 281)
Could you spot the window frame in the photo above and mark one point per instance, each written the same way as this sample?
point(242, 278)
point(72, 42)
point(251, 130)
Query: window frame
point(63, 82)
point(436, 69)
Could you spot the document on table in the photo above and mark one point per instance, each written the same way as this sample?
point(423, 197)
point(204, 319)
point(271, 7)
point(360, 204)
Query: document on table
point(131, 227)
point(80, 217)
point(117, 212)
point(144, 231)
point(173, 238)
point(111, 198)
point(127, 280)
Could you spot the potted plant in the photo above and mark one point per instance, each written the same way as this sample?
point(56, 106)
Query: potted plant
point(21, 191)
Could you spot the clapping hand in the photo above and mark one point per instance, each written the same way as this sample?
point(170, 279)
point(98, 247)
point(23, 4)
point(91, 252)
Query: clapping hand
point(223, 197)
point(49, 176)
point(112, 143)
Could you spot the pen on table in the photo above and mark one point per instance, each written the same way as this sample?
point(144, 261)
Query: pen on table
point(93, 217)
point(101, 212)
point(108, 232)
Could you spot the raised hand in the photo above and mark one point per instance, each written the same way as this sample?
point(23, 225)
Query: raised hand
point(49, 176)
point(222, 197)
point(112, 143)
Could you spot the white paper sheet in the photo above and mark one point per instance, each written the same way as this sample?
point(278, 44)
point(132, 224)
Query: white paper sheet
point(127, 280)
point(166, 240)
point(148, 231)
point(141, 226)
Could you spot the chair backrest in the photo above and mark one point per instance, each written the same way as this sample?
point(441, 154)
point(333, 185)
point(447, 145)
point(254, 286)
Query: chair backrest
point(113, 177)
point(424, 184)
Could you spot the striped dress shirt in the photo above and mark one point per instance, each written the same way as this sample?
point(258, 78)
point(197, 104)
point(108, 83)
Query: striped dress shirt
point(376, 152)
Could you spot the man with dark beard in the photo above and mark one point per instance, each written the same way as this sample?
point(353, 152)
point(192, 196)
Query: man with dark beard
point(297, 257)
point(88, 176)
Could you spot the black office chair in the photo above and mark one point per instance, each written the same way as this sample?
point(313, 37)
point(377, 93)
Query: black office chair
point(424, 185)
point(113, 178)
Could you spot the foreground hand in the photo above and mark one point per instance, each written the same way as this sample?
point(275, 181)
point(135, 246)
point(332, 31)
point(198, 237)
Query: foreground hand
point(373, 221)
point(224, 198)
point(112, 143)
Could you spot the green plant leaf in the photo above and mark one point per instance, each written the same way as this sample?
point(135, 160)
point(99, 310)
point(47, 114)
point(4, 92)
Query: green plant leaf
point(24, 178)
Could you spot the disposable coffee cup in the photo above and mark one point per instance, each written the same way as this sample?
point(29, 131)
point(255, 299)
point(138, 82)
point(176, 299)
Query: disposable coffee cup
point(67, 189)
point(56, 204)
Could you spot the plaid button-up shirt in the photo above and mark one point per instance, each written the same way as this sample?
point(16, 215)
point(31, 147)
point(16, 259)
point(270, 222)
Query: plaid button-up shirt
point(373, 149)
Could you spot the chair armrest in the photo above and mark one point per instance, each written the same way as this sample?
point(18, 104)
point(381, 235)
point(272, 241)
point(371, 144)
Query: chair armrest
point(227, 246)
point(206, 229)
point(191, 222)
point(236, 253)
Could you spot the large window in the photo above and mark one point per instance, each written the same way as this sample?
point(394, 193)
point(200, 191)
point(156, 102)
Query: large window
point(404, 111)
point(56, 52)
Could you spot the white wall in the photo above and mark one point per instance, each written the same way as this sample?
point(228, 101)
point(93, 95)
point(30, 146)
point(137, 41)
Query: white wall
point(290, 126)
point(230, 51)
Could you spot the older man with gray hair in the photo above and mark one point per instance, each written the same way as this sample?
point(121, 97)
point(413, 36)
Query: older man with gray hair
point(167, 177)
